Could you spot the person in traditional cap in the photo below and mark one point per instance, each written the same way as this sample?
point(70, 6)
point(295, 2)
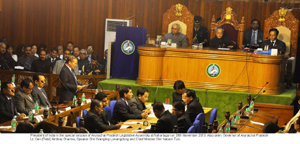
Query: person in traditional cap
point(200, 33)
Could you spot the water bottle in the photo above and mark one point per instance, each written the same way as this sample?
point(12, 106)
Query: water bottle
point(247, 112)
point(47, 109)
point(252, 107)
point(237, 117)
point(175, 129)
point(221, 130)
point(227, 128)
point(232, 120)
point(30, 115)
point(13, 79)
point(14, 124)
point(36, 107)
point(83, 98)
point(41, 131)
point(74, 101)
point(0, 85)
point(96, 91)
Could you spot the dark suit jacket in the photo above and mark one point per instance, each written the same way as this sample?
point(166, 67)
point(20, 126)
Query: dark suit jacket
point(123, 112)
point(136, 105)
point(38, 96)
point(23, 102)
point(105, 120)
point(41, 66)
point(193, 109)
point(52, 64)
point(6, 61)
point(184, 123)
point(59, 65)
point(22, 60)
point(166, 123)
point(280, 45)
point(176, 97)
point(94, 124)
point(68, 84)
point(248, 35)
point(5, 109)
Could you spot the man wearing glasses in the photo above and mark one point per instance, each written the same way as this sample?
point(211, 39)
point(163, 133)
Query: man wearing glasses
point(83, 62)
point(24, 99)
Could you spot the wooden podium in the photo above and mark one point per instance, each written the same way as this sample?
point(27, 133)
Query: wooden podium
point(237, 69)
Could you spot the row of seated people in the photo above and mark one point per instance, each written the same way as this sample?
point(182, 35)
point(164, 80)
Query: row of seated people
point(127, 108)
point(252, 38)
point(41, 61)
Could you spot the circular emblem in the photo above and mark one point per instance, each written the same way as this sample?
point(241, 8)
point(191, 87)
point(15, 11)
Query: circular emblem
point(127, 47)
point(213, 70)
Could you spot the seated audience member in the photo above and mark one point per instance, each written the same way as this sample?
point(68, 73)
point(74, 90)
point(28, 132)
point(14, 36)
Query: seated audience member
point(54, 57)
point(8, 103)
point(24, 100)
point(273, 42)
point(70, 46)
point(76, 51)
point(254, 36)
point(41, 64)
point(83, 62)
point(92, 120)
point(27, 59)
point(34, 50)
point(94, 68)
point(137, 104)
point(60, 49)
point(6, 60)
point(166, 120)
point(60, 63)
point(25, 127)
point(10, 51)
point(200, 34)
point(122, 111)
point(20, 50)
point(270, 127)
point(38, 93)
point(90, 52)
point(4, 40)
point(183, 118)
point(176, 37)
point(297, 125)
point(180, 88)
point(102, 97)
point(193, 106)
point(104, 61)
point(43, 47)
point(221, 41)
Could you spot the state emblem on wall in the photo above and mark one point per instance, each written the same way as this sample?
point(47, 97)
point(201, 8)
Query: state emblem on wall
point(213, 70)
point(127, 47)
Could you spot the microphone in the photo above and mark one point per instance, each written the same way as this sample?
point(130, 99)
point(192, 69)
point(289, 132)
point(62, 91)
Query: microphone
point(260, 91)
point(129, 17)
point(98, 83)
point(156, 90)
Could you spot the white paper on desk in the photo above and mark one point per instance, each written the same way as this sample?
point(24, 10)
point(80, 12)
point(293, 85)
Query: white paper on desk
point(124, 126)
point(39, 118)
point(19, 67)
point(258, 123)
point(88, 100)
point(274, 52)
point(138, 131)
point(67, 108)
point(133, 122)
point(149, 127)
point(152, 114)
point(149, 106)
point(5, 127)
point(168, 107)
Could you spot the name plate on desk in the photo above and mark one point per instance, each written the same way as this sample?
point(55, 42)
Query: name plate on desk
point(274, 52)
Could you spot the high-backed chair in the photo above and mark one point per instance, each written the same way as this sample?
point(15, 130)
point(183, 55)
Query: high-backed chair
point(232, 28)
point(288, 27)
point(179, 14)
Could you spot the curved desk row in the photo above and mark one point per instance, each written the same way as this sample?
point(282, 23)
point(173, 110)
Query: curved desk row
point(211, 68)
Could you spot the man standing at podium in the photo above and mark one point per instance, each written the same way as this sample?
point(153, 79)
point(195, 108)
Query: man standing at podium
point(176, 37)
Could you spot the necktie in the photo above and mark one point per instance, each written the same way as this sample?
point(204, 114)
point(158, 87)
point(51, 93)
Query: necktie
point(12, 106)
point(272, 43)
point(73, 72)
point(48, 103)
point(253, 37)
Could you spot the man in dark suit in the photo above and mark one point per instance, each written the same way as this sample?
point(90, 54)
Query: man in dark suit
point(122, 111)
point(69, 83)
point(200, 32)
point(83, 62)
point(38, 92)
point(7, 103)
point(42, 64)
point(60, 63)
point(24, 100)
point(193, 105)
point(254, 36)
point(54, 57)
point(137, 104)
point(273, 42)
point(166, 121)
point(90, 52)
point(102, 97)
point(180, 88)
point(184, 122)
point(92, 120)
point(6, 60)
point(27, 59)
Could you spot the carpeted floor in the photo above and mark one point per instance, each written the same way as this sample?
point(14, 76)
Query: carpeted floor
point(223, 100)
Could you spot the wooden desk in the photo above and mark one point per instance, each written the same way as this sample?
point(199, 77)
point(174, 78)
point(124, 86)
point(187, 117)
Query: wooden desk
point(150, 120)
point(189, 65)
